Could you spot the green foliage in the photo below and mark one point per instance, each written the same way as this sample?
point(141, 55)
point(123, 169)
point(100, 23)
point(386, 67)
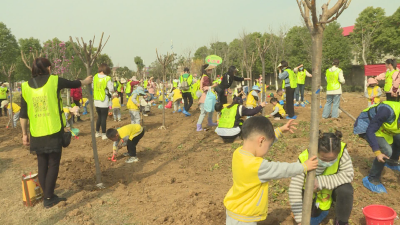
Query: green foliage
point(139, 63)
point(366, 30)
point(9, 49)
point(298, 44)
point(388, 37)
point(335, 46)
point(201, 53)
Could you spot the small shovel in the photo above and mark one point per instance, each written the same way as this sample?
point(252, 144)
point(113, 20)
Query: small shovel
point(392, 161)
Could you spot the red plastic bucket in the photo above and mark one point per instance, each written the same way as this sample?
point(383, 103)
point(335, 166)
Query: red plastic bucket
point(379, 214)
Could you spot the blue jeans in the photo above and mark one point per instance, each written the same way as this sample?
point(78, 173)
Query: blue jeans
point(203, 114)
point(335, 99)
point(152, 97)
point(299, 91)
point(392, 151)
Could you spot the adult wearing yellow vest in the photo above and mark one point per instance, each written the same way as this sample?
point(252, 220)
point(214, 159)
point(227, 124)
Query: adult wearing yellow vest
point(186, 81)
point(41, 104)
point(392, 80)
point(380, 126)
point(226, 82)
point(290, 83)
point(102, 89)
point(301, 74)
point(333, 179)
point(334, 79)
point(230, 122)
point(3, 97)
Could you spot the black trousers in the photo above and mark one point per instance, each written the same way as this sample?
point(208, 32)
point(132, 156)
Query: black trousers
point(278, 115)
point(343, 198)
point(48, 166)
point(289, 101)
point(389, 97)
point(5, 109)
point(102, 114)
point(121, 97)
point(187, 100)
point(131, 145)
point(222, 98)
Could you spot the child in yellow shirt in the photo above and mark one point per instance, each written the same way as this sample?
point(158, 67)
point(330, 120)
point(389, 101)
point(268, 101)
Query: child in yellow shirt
point(68, 112)
point(373, 92)
point(278, 113)
point(176, 96)
point(247, 201)
point(129, 136)
point(116, 107)
point(15, 109)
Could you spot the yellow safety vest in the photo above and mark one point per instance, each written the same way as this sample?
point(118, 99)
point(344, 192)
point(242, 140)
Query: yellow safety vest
point(189, 80)
point(3, 92)
point(292, 78)
point(99, 87)
point(128, 88)
point(145, 84)
point(388, 80)
point(15, 107)
point(374, 90)
point(301, 77)
point(44, 109)
point(119, 86)
point(324, 196)
point(131, 105)
point(332, 78)
point(228, 117)
point(251, 101)
point(387, 131)
point(66, 111)
point(281, 109)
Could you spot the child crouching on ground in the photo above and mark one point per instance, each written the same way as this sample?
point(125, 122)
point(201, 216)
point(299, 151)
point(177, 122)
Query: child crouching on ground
point(247, 201)
point(176, 96)
point(116, 107)
point(15, 109)
point(129, 136)
point(279, 112)
point(68, 112)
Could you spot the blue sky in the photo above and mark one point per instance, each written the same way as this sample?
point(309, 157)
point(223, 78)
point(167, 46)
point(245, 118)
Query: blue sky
point(137, 28)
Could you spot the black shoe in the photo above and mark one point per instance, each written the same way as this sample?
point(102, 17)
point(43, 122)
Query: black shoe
point(50, 202)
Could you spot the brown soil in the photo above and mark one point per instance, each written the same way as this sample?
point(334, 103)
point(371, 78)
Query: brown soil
point(181, 178)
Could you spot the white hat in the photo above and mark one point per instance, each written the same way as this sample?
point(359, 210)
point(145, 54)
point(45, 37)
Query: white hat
point(280, 65)
point(123, 81)
point(3, 103)
point(134, 78)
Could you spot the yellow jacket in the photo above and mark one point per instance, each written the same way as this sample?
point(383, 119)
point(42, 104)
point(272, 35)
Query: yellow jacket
point(130, 131)
point(67, 113)
point(15, 107)
point(281, 110)
point(115, 103)
point(177, 94)
point(247, 200)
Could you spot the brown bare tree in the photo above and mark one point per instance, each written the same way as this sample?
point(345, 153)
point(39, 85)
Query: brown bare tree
point(262, 50)
point(248, 63)
point(316, 25)
point(28, 58)
point(9, 73)
point(277, 52)
point(88, 55)
point(164, 61)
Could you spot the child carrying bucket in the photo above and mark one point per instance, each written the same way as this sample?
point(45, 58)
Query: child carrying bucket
point(247, 201)
point(333, 179)
point(373, 92)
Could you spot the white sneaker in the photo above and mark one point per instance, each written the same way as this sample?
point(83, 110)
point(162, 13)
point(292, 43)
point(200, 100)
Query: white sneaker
point(104, 137)
point(126, 154)
point(98, 134)
point(132, 160)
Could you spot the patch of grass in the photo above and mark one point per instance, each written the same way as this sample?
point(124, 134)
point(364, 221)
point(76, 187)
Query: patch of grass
point(216, 150)
point(180, 146)
point(234, 146)
point(215, 167)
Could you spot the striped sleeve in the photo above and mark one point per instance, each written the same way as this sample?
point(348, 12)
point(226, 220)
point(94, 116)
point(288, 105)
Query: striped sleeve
point(343, 176)
point(296, 196)
point(278, 134)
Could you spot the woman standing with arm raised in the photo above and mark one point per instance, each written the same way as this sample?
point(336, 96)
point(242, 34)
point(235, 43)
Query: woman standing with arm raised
point(41, 104)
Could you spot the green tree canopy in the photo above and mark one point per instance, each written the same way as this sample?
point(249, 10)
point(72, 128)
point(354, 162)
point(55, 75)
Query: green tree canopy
point(28, 46)
point(139, 63)
point(9, 49)
point(389, 37)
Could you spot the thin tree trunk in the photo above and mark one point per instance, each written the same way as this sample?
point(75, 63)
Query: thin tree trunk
point(365, 63)
point(314, 130)
point(11, 101)
point(163, 92)
point(94, 144)
point(263, 91)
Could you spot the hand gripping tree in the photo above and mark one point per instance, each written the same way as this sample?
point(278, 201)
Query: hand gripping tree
point(164, 61)
point(316, 25)
point(261, 52)
point(88, 55)
point(8, 73)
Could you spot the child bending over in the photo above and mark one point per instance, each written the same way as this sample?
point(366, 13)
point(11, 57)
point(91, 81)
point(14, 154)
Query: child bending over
point(333, 179)
point(128, 136)
point(247, 201)
point(176, 96)
point(68, 112)
point(15, 109)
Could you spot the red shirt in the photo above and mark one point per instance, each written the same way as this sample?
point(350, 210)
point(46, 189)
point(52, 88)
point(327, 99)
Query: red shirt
point(76, 93)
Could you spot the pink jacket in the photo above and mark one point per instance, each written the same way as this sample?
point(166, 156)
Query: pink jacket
point(151, 87)
point(396, 80)
point(204, 86)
